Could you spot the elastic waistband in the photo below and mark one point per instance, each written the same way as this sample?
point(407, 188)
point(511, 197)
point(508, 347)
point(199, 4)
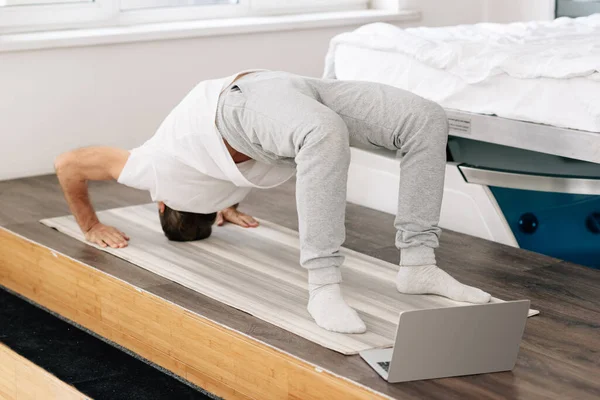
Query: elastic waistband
point(247, 77)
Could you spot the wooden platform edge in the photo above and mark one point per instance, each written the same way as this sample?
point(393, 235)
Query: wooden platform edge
point(22, 379)
point(221, 360)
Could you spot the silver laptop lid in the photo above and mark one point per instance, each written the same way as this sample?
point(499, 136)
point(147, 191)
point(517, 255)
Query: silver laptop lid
point(455, 341)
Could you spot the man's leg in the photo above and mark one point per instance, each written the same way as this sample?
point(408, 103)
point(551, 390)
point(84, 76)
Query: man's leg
point(322, 174)
point(281, 121)
point(383, 116)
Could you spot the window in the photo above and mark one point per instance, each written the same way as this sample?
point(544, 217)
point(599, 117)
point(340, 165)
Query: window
point(13, 3)
point(307, 5)
point(35, 15)
point(30, 15)
point(140, 4)
point(7, 3)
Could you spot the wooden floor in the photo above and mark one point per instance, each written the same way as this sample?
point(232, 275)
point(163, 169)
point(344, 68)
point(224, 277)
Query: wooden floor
point(560, 354)
point(20, 379)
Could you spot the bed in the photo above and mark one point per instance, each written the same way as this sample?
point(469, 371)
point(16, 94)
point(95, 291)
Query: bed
point(523, 101)
point(540, 72)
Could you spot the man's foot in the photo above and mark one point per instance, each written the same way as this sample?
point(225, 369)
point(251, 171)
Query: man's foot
point(330, 311)
point(429, 279)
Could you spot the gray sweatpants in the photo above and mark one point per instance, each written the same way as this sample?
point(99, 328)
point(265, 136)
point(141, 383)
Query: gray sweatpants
point(278, 117)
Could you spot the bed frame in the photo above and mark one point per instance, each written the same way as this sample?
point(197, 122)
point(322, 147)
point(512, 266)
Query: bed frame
point(571, 143)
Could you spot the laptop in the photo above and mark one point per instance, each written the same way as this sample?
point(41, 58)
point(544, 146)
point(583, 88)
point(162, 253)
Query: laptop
point(452, 341)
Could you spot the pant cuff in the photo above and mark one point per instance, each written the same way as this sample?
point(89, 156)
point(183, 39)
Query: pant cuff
point(415, 256)
point(324, 276)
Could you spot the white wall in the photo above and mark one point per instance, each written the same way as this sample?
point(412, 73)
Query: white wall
point(448, 12)
point(454, 12)
point(502, 11)
point(58, 99)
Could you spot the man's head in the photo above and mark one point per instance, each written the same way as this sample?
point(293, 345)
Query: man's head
point(182, 226)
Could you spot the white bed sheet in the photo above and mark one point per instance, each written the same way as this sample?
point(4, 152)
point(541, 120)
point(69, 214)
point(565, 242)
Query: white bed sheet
point(569, 103)
point(543, 72)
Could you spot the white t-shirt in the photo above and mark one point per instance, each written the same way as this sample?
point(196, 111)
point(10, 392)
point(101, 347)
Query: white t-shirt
point(186, 163)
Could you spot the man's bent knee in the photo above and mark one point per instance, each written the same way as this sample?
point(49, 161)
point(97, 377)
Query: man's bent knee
point(435, 120)
point(427, 126)
point(330, 135)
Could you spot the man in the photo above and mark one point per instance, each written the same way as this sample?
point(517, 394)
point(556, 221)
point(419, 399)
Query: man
point(258, 128)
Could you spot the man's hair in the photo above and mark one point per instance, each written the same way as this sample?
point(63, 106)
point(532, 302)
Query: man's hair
point(183, 226)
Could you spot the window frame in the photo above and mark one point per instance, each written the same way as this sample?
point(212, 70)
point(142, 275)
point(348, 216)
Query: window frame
point(57, 16)
point(106, 13)
point(301, 6)
point(186, 13)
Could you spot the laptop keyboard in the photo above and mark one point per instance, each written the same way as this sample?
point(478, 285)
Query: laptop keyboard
point(385, 365)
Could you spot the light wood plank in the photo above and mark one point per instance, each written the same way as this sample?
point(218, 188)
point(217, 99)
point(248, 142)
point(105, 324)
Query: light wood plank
point(21, 379)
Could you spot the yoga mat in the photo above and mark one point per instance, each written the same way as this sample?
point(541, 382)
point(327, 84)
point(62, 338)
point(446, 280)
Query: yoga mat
point(257, 271)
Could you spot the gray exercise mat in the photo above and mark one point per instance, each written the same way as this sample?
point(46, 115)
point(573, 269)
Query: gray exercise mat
point(257, 271)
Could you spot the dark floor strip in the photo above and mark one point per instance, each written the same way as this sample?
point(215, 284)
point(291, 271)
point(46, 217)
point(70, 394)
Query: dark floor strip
point(93, 366)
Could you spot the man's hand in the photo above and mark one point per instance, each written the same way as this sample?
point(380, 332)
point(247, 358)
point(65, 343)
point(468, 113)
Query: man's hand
point(105, 235)
point(231, 214)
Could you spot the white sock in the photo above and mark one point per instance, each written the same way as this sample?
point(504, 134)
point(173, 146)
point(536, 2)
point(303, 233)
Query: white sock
point(330, 311)
point(429, 279)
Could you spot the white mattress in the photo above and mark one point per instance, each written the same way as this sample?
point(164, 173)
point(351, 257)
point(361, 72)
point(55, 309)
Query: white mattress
point(453, 67)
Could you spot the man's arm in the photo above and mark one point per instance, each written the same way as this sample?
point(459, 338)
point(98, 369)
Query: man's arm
point(74, 169)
